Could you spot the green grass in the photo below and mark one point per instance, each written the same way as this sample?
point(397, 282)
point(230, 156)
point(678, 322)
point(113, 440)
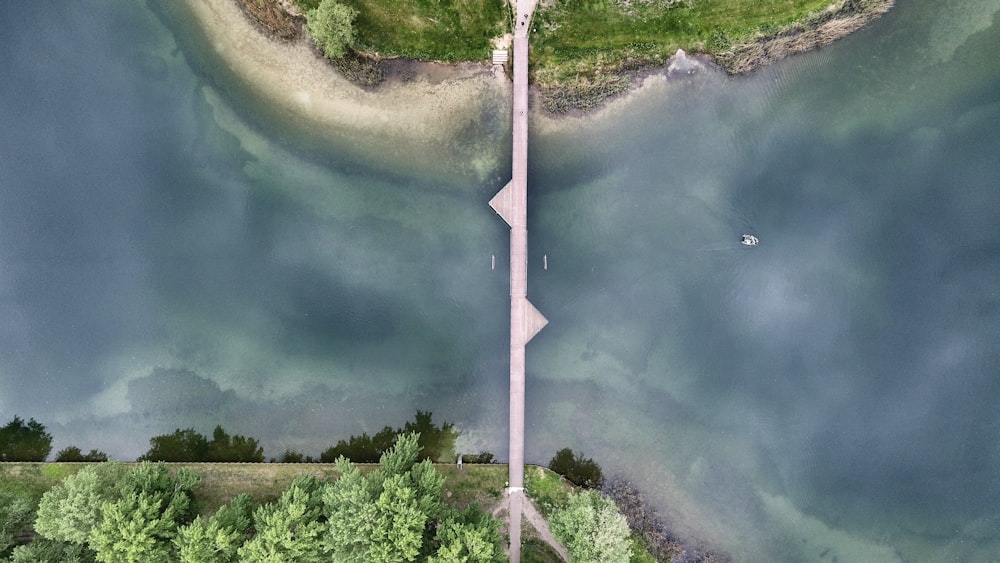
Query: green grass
point(591, 37)
point(546, 488)
point(34, 478)
point(437, 30)
point(474, 484)
point(534, 550)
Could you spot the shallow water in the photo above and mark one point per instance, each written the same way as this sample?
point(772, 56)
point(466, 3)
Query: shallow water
point(176, 252)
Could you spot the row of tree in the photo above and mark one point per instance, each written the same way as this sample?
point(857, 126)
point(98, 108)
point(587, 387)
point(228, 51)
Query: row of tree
point(29, 441)
point(111, 512)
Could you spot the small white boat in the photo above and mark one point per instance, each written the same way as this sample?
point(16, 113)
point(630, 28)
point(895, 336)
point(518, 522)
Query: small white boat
point(749, 240)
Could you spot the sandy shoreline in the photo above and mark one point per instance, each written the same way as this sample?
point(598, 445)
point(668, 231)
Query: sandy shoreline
point(416, 120)
point(425, 104)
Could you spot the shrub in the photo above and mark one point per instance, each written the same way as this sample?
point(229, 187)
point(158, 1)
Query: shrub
point(331, 25)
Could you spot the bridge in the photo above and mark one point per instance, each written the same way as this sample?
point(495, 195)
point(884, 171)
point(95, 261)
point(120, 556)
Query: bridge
point(511, 203)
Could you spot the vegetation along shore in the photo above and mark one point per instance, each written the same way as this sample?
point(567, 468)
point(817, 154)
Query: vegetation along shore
point(582, 52)
point(397, 495)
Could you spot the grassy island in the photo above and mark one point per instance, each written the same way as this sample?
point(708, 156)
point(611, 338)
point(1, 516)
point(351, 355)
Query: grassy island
point(583, 51)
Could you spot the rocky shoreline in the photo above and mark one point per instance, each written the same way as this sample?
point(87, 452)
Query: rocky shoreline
point(821, 30)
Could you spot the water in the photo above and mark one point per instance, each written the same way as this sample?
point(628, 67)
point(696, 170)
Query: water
point(177, 253)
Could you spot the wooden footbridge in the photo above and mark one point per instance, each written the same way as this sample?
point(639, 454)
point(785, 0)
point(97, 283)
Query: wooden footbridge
point(511, 203)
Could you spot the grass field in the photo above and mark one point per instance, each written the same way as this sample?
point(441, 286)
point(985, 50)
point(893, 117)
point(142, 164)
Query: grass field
point(585, 50)
point(431, 30)
point(594, 36)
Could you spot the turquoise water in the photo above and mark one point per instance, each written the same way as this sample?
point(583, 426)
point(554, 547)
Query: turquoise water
point(829, 393)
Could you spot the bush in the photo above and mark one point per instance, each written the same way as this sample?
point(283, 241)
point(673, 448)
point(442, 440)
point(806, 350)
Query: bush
point(331, 25)
point(592, 529)
point(16, 514)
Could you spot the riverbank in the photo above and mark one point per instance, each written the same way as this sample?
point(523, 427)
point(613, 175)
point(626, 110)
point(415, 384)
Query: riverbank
point(582, 56)
point(412, 119)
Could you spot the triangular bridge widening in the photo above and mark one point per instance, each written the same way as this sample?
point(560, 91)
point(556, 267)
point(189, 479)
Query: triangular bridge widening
point(503, 203)
point(534, 321)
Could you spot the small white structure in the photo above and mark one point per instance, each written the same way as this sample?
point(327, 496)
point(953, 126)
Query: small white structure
point(499, 56)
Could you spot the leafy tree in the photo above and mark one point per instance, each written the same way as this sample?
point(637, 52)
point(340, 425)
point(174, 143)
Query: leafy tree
point(122, 514)
point(182, 445)
point(73, 453)
point(140, 525)
point(68, 511)
point(17, 511)
point(133, 529)
point(331, 25)
point(216, 539)
point(224, 447)
point(582, 471)
point(24, 442)
point(361, 449)
point(291, 529)
point(43, 550)
point(385, 515)
point(592, 529)
point(471, 535)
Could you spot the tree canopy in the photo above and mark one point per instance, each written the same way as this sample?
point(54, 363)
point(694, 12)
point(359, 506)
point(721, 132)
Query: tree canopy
point(20, 441)
point(290, 529)
point(218, 538)
point(111, 512)
point(592, 529)
point(121, 514)
point(331, 25)
point(16, 514)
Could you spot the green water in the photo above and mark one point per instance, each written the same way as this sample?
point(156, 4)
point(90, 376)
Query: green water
point(174, 252)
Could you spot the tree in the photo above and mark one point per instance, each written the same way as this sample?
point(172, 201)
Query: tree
point(44, 550)
point(224, 447)
point(331, 25)
point(218, 538)
point(182, 445)
point(68, 511)
point(592, 529)
point(17, 511)
point(582, 471)
point(387, 514)
point(471, 535)
point(24, 442)
point(73, 454)
point(122, 514)
point(141, 523)
point(291, 529)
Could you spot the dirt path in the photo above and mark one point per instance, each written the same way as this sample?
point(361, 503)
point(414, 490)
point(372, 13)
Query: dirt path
point(537, 521)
